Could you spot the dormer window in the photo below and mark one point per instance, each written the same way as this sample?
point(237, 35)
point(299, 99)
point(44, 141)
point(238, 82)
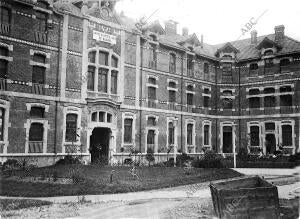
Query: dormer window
point(268, 53)
point(253, 66)
point(268, 63)
point(227, 57)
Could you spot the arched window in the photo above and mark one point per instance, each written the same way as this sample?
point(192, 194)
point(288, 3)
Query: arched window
point(71, 127)
point(39, 58)
point(254, 92)
point(152, 80)
point(190, 88)
point(268, 52)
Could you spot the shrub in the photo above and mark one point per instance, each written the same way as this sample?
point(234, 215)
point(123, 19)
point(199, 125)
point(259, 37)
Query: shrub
point(210, 160)
point(150, 156)
point(295, 157)
point(76, 176)
point(242, 154)
point(182, 159)
point(69, 159)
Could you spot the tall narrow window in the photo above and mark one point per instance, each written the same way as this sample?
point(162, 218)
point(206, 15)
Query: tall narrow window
point(286, 98)
point(103, 58)
point(151, 139)
point(206, 135)
point(172, 63)
point(36, 132)
point(254, 136)
point(152, 57)
point(71, 127)
point(227, 69)
point(38, 75)
point(190, 99)
point(287, 135)
point(92, 57)
point(114, 62)
point(4, 15)
point(91, 78)
point(102, 80)
point(101, 116)
point(205, 68)
point(114, 82)
point(172, 96)
point(206, 101)
point(190, 66)
point(2, 114)
point(268, 63)
point(171, 134)
point(127, 130)
point(190, 134)
point(41, 19)
point(3, 69)
point(269, 101)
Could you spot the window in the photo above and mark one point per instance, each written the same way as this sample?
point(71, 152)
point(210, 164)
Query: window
point(151, 139)
point(152, 81)
point(206, 101)
point(270, 126)
point(227, 69)
point(39, 58)
point(109, 118)
point(92, 57)
point(268, 53)
point(91, 78)
point(206, 90)
point(37, 112)
point(171, 134)
point(286, 99)
point(3, 51)
point(254, 102)
point(114, 62)
point(254, 92)
point(103, 58)
point(269, 101)
point(284, 62)
point(41, 19)
point(3, 68)
point(269, 90)
point(190, 66)
point(285, 89)
point(102, 80)
point(94, 116)
point(152, 93)
point(2, 114)
point(71, 127)
point(190, 134)
point(287, 135)
point(268, 63)
point(172, 63)
point(205, 68)
point(190, 99)
point(151, 121)
point(101, 116)
point(253, 66)
point(38, 75)
point(206, 135)
point(114, 82)
point(172, 96)
point(4, 15)
point(127, 130)
point(36, 132)
point(172, 84)
point(254, 136)
point(227, 103)
point(152, 57)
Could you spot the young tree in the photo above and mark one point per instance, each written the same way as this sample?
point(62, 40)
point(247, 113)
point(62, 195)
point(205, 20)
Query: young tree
point(150, 156)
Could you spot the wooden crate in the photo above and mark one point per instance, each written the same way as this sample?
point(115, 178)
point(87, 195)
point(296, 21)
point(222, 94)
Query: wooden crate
point(247, 197)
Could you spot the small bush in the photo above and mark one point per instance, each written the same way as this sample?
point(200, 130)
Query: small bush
point(69, 159)
point(242, 154)
point(295, 157)
point(76, 176)
point(182, 159)
point(210, 160)
point(150, 156)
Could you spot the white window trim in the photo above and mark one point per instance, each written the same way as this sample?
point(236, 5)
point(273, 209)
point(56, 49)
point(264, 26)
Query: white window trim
point(174, 120)
point(255, 124)
point(10, 49)
point(291, 123)
point(6, 106)
point(30, 105)
point(193, 146)
point(46, 126)
point(33, 52)
point(172, 80)
point(152, 76)
point(207, 122)
point(226, 89)
point(78, 112)
point(156, 132)
point(222, 125)
point(152, 116)
point(172, 89)
point(128, 115)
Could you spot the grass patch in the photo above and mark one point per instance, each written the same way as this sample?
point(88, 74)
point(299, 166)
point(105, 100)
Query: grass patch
point(97, 180)
point(16, 204)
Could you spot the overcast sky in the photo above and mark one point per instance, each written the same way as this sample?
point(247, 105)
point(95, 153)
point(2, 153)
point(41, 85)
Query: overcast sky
point(219, 20)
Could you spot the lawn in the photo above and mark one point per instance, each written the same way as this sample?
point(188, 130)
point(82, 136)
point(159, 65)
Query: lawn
point(96, 180)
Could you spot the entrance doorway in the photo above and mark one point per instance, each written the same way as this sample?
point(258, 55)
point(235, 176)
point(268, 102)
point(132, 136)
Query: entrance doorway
point(270, 143)
point(99, 145)
point(227, 139)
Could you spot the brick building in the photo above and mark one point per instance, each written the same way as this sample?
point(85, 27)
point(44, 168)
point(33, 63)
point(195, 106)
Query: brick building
point(78, 78)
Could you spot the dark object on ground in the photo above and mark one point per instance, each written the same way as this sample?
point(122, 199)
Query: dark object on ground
point(250, 197)
point(69, 159)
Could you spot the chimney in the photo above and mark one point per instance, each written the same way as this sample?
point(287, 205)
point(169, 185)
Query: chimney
point(201, 41)
point(171, 27)
point(185, 31)
point(279, 33)
point(253, 37)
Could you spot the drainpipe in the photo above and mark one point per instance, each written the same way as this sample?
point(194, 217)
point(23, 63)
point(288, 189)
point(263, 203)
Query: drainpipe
point(141, 92)
point(216, 107)
point(56, 90)
point(181, 104)
point(240, 138)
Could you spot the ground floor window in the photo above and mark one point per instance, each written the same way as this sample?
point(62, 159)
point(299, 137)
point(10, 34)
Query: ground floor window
point(287, 135)
point(128, 130)
point(151, 140)
point(36, 135)
point(190, 128)
point(206, 135)
point(254, 136)
point(227, 139)
point(171, 136)
point(2, 114)
point(71, 127)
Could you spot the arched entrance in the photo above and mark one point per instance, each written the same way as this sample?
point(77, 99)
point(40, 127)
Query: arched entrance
point(99, 145)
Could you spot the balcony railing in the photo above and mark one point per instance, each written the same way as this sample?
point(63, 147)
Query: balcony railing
point(171, 106)
point(41, 37)
point(35, 147)
point(38, 89)
point(3, 84)
point(151, 103)
point(151, 147)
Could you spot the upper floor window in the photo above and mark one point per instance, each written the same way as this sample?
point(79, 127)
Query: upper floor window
point(172, 96)
point(286, 98)
point(39, 58)
point(153, 37)
point(36, 132)
point(206, 101)
point(171, 133)
point(254, 92)
point(3, 69)
point(190, 66)
point(269, 63)
point(41, 21)
point(152, 80)
point(205, 68)
point(71, 127)
point(92, 57)
point(4, 15)
point(114, 82)
point(253, 66)
point(206, 135)
point(38, 75)
point(227, 69)
point(37, 112)
point(284, 62)
point(103, 58)
point(151, 121)
point(152, 56)
point(91, 78)
point(190, 129)
point(4, 51)
point(206, 90)
point(172, 63)
point(172, 84)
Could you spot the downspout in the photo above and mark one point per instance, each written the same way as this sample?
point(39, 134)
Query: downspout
point(56, 90)
point(141, 92)
point(181, 104)
point(216, 107)
point(240, 137)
